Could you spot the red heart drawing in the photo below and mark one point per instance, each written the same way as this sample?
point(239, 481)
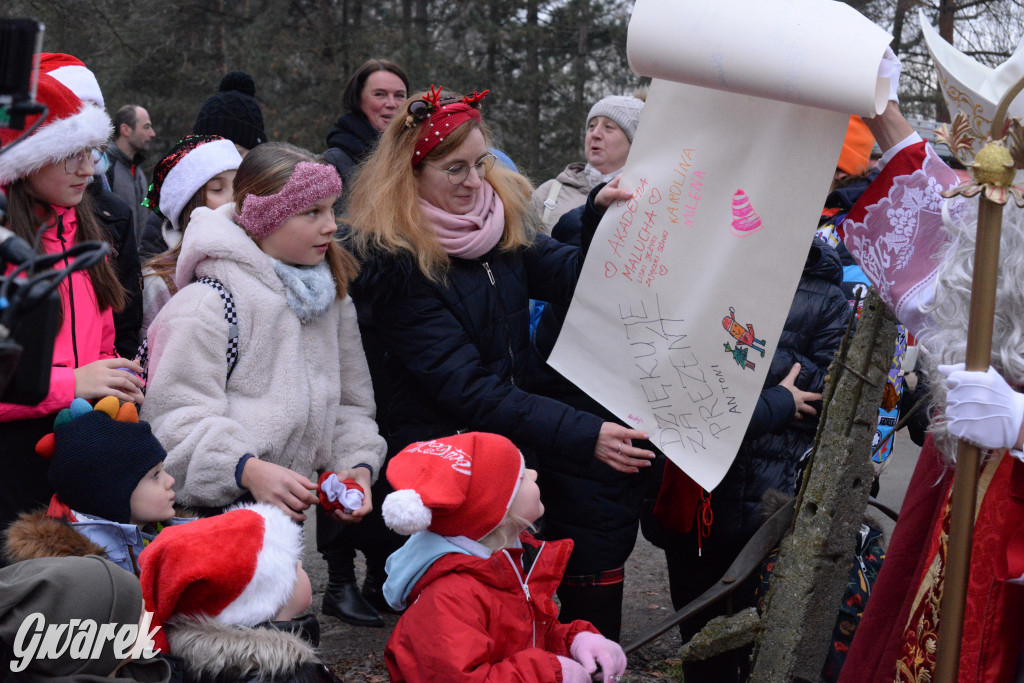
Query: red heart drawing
point(655, 196)
point(610, 269)
point(664, 269)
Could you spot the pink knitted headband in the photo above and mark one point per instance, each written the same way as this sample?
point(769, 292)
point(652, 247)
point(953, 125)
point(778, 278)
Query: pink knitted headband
point(310, 182)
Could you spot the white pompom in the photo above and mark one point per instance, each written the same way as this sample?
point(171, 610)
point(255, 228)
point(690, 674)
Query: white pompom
point(405, 513)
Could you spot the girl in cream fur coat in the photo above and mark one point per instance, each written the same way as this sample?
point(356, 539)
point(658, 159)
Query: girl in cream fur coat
point(298, 398)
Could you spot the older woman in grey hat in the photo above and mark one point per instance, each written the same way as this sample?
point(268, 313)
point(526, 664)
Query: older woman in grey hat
point(611, 125)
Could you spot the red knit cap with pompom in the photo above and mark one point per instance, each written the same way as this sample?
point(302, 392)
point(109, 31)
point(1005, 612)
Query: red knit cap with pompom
point(460, 485)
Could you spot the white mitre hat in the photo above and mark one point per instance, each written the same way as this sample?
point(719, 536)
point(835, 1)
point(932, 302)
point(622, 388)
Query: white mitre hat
point(973, 88)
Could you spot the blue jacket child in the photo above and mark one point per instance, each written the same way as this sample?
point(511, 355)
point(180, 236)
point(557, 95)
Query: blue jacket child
point(111, 493)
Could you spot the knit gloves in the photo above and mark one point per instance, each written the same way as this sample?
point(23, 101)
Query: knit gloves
point(982, 409)
point(593, 650)
point(573, 671)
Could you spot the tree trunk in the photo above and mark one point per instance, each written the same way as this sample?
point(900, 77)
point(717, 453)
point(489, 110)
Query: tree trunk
point(582, 51)
point(813, 568)
point(902, 8)
point(533, 91)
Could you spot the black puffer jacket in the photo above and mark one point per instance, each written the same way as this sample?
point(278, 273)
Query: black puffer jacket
point(813, 331)
point(350, 141)
point(595, 505)
point(115, 218)
point(456, 352)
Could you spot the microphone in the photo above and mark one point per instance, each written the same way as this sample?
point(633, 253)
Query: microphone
point(13, 249)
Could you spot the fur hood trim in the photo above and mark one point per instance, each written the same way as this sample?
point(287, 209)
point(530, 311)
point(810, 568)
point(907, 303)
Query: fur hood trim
point(34, 535)
point(211, 649)
point(90, 127)
point(219, 248)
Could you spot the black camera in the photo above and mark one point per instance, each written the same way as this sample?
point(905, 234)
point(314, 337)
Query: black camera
point(29, 307)
point(20, 41)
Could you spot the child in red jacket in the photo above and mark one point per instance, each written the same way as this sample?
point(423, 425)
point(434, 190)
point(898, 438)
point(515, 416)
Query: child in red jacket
point(478, 587)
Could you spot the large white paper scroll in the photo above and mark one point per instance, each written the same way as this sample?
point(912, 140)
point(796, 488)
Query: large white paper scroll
point(810, 52)
point(686, 287)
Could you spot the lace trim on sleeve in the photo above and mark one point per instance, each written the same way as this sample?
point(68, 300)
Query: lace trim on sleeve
point(897, 242)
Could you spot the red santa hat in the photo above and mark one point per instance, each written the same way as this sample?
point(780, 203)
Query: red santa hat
point(73, 75)
point(71, 126)
point(461, 485)
point(237, 567)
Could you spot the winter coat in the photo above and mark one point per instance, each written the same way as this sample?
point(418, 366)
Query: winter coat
point(573, 191)
point(157, 237)
point(59, 531)
point(86, 335)
point(587, 501)
point(770, 454)
point(349, 142)
point(212, 652)
point(129, 186)
point(115, 218)
point(299, 396)
point(71, 593)
point(455, 352)
point(155, 294)
point(474, 618)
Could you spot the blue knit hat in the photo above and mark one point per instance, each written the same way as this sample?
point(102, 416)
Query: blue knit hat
point(98, 461)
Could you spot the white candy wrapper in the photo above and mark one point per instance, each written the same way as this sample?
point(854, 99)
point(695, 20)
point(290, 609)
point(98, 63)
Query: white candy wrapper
point(336, 491)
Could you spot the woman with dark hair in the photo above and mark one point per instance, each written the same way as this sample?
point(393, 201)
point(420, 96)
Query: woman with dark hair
point(372, 96)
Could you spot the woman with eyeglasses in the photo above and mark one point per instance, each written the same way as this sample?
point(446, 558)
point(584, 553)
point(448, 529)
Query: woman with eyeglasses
point(44, 177)
point(450, 258)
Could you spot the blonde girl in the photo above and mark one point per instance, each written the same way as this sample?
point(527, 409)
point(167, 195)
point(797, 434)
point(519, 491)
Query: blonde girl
point(298, 398)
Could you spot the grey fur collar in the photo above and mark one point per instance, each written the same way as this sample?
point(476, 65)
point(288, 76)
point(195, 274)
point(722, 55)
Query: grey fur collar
point(310, 290)
point(211, 649)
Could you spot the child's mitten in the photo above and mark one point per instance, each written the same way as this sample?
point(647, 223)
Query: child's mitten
point(593, 650)
point(337, 494)
point(573, 671)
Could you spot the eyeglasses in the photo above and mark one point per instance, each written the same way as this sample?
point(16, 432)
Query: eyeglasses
point(73, 164)
point(458, 173)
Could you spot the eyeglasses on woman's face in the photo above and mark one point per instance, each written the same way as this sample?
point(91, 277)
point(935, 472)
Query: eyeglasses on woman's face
point(73, 164)
point(457, 173)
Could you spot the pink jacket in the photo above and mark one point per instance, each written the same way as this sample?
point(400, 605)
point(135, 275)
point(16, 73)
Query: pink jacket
point(91, 334)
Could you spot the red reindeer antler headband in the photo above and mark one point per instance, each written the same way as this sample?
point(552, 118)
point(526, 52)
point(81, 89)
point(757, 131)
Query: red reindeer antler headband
point(438, 120)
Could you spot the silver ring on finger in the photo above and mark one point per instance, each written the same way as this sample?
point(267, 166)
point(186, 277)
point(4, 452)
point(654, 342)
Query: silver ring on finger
point(618, 449)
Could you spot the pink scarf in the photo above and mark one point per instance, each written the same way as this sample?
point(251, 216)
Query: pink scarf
point(473, 234)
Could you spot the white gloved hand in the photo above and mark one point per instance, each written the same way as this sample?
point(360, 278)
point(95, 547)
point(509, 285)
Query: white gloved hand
point(573, 671)
point(890, 68)
point(981, 408)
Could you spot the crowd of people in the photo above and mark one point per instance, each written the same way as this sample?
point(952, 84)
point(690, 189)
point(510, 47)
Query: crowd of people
point(364, 332)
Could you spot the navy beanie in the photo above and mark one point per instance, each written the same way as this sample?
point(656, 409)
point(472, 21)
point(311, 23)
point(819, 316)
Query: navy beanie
point(98, 461)
point(233, 113)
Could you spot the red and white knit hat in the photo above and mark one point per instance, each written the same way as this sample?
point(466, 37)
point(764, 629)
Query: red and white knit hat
point(71, 126)
point(461, 485)
point(237, 567)
point(73, 74)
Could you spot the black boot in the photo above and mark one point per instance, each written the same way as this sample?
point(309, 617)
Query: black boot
point(601, 605)
point(373, 593)
point(342, 598)
point(373, 585)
